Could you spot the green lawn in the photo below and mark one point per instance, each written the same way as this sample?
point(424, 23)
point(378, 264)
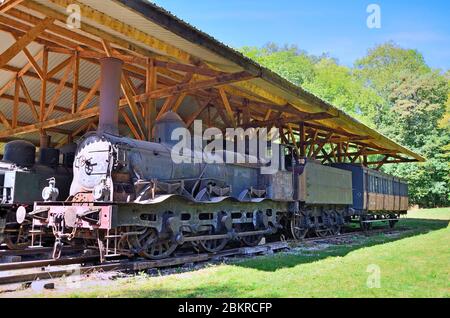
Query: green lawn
point(414, 264)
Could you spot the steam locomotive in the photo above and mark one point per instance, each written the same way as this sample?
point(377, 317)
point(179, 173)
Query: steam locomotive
point(21, 184)
point(128, 197)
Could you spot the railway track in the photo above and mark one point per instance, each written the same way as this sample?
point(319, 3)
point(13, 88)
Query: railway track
point(22, 272)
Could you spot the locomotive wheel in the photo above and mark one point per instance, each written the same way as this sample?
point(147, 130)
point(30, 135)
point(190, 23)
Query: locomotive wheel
point(298, 233)
point(335, 230)
point(252, 240)
point(19, 240)
point(392, 223)
point(366, 226)
point(322, 232)
point(151, 246)
point(212, 246)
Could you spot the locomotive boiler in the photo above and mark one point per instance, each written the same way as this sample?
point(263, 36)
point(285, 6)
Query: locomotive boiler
point(22, 181)
point(129, 197)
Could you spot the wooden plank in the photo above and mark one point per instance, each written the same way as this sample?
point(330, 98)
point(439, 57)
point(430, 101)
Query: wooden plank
point(21, 43)
point(9, 4)
point(29, 101)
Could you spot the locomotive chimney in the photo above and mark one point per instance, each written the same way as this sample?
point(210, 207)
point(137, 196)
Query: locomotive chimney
point(111, 73)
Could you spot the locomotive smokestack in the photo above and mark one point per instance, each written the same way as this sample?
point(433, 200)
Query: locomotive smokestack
point(111, 73)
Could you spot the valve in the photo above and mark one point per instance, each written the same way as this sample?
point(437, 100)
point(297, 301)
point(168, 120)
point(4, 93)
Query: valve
point(51, 192)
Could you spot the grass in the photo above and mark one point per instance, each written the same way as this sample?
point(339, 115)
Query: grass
point(413, 264)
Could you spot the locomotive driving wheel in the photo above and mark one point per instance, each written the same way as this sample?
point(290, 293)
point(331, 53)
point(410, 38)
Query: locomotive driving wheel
point(152, 246)
point(251, 240)
point(214, 245)
point(298, 230)
point(17, 239)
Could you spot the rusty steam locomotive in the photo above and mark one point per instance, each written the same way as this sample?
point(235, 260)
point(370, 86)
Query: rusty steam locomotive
point(129, 198)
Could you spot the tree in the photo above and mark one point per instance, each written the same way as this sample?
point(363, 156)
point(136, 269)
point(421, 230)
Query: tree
point(390, 89)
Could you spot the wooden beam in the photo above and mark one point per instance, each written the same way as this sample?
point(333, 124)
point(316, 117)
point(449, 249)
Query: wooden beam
point(88, 113)
point(59, 67)
point(20, 44)
point(196, 114)
point(151, 82)
point(15, 113)
point(28, 99)
point(130, 124)
point(321, 145)
point(44, 86)
point(9, 4)
point(4, 120)
point(194, 86)
point(89, 13)
point(58, 91)
point(89, 96)
point(76, 78)
point(178, 102)
point(36, 76)
point(35, 103)
point(129, 96)
point(226, 104)
point(31, 60)
point(294, 143)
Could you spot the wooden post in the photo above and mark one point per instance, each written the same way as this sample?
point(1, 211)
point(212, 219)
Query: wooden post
point(150, 105)
point(76, 76)
point(15, 113)
point(44, 85)
point(302, 140)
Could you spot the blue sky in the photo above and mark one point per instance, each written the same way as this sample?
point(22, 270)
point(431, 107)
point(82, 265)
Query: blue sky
point(323, 26)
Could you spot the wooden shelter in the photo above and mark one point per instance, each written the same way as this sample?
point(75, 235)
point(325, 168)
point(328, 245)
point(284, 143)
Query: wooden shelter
point(49, 81)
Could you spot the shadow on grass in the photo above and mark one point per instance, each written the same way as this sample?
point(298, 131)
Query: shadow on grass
point(406, 228)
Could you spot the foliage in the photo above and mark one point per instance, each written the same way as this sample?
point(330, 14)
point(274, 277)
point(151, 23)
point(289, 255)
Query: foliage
point(390, 89)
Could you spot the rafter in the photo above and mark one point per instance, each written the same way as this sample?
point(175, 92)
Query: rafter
point(28, 99)
point(58, 91)
point(89, 13)
point(21, 43)
point(9, 4)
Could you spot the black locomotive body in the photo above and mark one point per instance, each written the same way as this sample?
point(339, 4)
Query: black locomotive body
point(22, 181)
point(129, 197)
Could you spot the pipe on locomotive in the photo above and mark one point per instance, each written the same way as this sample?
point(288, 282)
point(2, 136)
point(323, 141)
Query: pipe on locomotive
point(110, 76)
